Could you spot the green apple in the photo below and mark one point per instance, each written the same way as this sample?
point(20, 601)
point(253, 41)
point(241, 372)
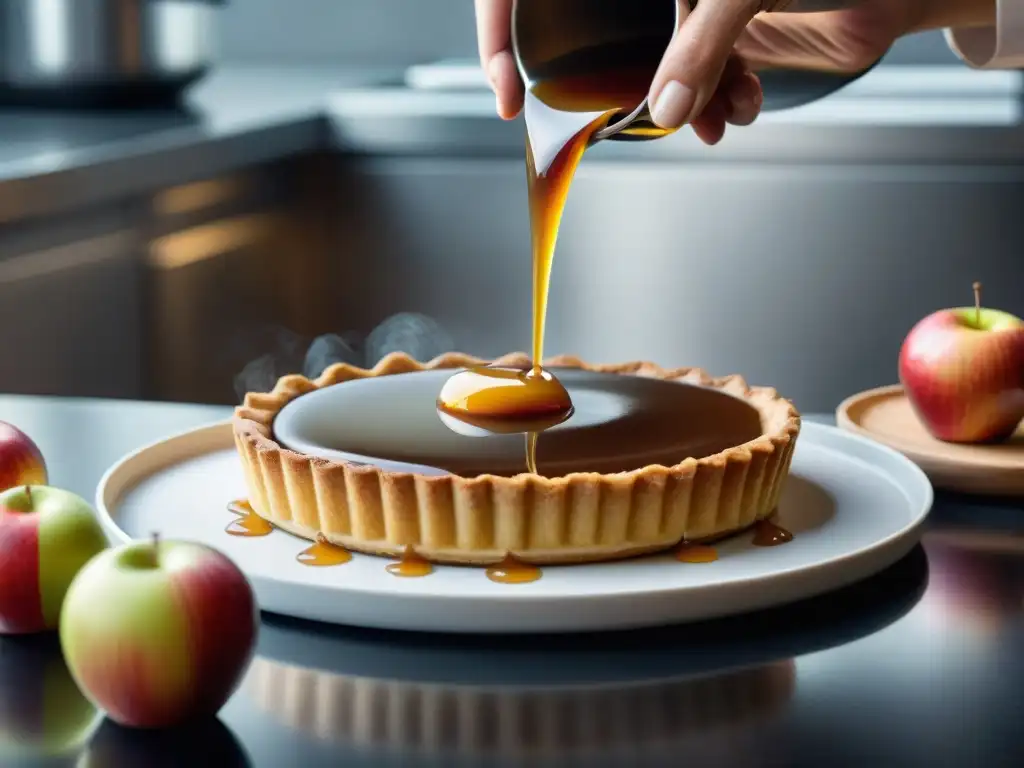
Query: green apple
point(46, 536)
point(158, 633)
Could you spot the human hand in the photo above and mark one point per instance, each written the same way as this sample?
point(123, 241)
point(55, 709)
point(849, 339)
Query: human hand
point(706, 78)
point(700, 83)
point(850, 38)
point(737, 91)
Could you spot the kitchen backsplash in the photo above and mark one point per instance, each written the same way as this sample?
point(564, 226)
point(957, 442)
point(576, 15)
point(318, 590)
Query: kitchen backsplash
point(387, 32)
point(341, 31)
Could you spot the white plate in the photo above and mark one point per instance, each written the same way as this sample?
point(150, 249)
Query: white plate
point(853, 505)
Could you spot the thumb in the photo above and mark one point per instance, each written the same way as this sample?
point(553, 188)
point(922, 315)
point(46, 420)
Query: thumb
point(695, 59)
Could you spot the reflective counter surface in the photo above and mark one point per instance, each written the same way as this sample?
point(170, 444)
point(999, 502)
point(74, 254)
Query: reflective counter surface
point(922, 664)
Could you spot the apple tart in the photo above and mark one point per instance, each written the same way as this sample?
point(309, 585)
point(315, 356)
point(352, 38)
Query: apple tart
point(652, 457)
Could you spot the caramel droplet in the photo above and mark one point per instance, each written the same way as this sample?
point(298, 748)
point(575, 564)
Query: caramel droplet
point(696, 553)
point(503, 401)
point(511, 571)
point(768, 534)
point(323, 553)
point(249, 523)
point(411, 565)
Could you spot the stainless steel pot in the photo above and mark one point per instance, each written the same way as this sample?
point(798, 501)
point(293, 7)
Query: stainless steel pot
point(102, 52)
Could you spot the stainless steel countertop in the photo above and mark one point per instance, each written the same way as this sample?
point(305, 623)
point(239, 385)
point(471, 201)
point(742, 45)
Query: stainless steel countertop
point(240, 116)
point(917, 665)
point(894, 114)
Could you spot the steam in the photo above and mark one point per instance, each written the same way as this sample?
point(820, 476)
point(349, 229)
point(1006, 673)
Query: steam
point(419, 336)
point(327, 350)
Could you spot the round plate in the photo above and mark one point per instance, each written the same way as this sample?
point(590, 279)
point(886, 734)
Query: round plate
point(885, 415)
point(853, 506)
point(575, 660)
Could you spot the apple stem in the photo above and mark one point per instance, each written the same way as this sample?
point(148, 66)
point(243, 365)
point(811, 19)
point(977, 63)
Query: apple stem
point(977, 303)
point(28, 494)
point(156, 547)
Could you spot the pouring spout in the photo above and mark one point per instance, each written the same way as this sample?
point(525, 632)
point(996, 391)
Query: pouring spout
point(617, 125)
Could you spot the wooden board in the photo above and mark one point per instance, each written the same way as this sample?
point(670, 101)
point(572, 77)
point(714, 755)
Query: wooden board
point(885, 415)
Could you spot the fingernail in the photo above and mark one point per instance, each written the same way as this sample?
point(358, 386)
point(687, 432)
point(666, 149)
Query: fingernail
point(744, 107)
point(755, 83)
point(745, 101)
point(673, 105)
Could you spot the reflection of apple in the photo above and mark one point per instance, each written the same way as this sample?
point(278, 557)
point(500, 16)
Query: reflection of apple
point(208, 742)
point(963, 372)
point(46, 536)
point(43, 715)
point(159, 632)
point(978, 584)
point(21, 461)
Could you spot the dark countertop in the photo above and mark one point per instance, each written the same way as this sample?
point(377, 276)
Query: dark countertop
point(919, 665)
point(242, 115)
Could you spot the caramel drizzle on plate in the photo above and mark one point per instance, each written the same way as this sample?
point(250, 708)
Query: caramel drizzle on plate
point(411, 565)
point(769, 534)
point(696, 553)
point(512, 571)
point(323, 553)
point(248, 523)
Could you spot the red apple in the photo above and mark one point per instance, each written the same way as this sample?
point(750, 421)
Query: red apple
point(159, 633)
point(46, 536)
point(21, 461)
point(963, 372)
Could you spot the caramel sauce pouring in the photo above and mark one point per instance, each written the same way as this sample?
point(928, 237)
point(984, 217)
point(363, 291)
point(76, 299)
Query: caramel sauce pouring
point(501, 400)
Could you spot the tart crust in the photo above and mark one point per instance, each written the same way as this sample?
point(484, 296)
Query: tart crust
point(578, 518)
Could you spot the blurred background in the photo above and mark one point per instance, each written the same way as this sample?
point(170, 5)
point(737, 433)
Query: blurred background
point(246, 188)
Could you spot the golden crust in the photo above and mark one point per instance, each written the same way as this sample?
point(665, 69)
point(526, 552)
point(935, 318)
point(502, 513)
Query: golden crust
point(581, 517)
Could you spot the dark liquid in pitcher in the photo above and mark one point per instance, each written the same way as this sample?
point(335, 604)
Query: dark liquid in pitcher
point(574, 97)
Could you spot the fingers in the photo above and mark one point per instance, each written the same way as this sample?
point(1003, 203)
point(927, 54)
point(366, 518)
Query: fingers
point(493, 28)
point(737, 101)
point(695, 60)
point(507, 85)
point(745, 99)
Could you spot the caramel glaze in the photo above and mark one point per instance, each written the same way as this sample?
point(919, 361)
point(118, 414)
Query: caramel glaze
point(512, 571)
point(696, 553)
point(769, 534)
point(593, 84)
point(619, 423)
point(411, 565)
point(323, 553)
point(248, 523)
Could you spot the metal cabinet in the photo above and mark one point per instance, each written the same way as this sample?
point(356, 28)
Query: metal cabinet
point(236, 269)
point(70, 303)
point(803, 277)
